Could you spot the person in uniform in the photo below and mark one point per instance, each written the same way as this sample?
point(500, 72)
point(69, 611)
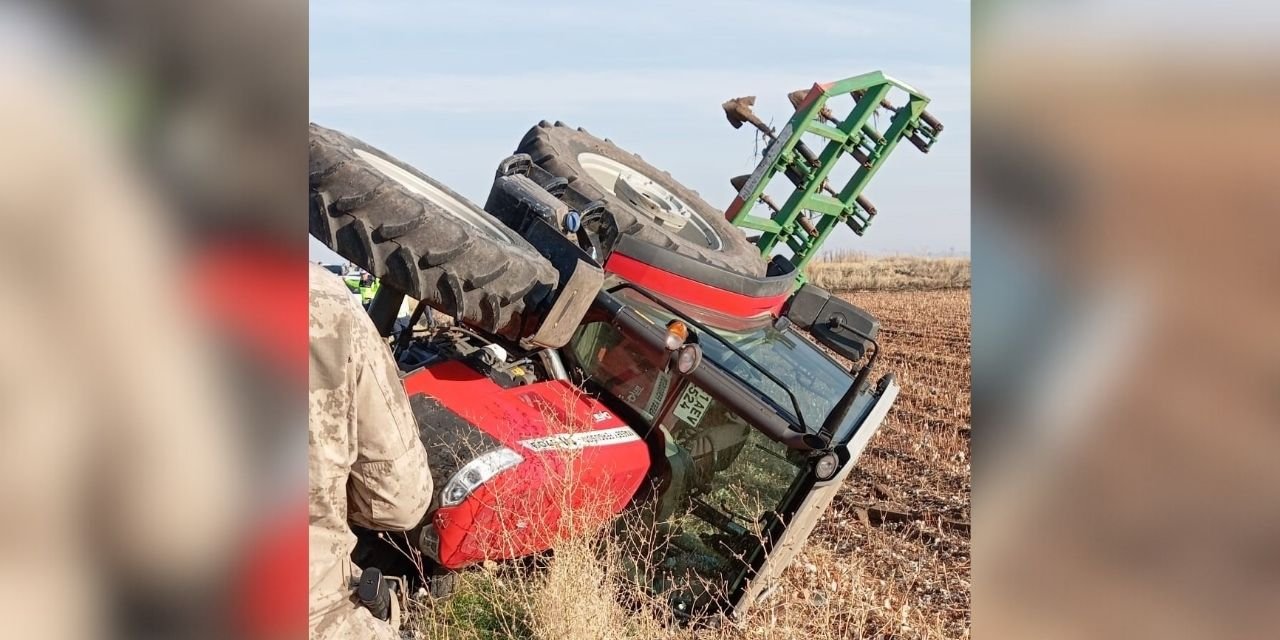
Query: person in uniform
point(366, 462)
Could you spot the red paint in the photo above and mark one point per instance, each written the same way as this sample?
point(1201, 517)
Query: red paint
point(691, 291)
point(814, 92)
point(521, 510)
point(511, 415)
point(257, 295)
point(271, 591)
point(734, 208)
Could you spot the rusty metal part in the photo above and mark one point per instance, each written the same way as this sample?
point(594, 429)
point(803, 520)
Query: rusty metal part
point(920, 143)
point(741, 181)
point(738, 111)
point(807, 225)
point(796, 97)
point(860, 156)
point(927, 117)
point(866, 204)
point(858, 95)
point(931, 121)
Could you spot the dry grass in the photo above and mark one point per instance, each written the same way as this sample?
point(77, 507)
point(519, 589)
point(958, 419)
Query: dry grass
point(889, 560)
point(850, 271)
point(914, 572)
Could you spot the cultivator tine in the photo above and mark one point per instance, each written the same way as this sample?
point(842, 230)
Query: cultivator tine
point(738, 111)
point(797, 97)
point(866, 205)
point(918, 142)
point(932, 123)
point(858, 94)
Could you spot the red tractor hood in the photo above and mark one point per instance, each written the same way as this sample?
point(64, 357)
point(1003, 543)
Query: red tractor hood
point(530, 418)
point(580, 465)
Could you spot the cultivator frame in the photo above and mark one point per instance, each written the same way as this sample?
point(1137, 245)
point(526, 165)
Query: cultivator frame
point(807, 218)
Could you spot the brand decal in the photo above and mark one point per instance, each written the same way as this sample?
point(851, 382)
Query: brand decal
point(570, 441)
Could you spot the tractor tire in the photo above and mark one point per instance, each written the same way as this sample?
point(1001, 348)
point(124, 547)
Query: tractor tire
point(420, 237)
point(651, 212)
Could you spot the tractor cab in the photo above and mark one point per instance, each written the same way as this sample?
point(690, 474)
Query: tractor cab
point(749, 444)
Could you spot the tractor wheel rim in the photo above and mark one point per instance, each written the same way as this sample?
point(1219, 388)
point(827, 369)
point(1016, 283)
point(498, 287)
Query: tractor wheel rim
point(447, 202)
point(666, 207)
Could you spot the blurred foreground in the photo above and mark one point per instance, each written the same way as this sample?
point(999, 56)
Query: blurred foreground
point(154, 336)
point(1126, 334)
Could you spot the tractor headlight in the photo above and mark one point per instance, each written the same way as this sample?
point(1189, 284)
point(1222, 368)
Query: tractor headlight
point(475, 473)
point(688, 358)
point(827, 466)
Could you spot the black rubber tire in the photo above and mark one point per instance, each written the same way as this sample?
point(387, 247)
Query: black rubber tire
point(487, 278)
point(556, 147)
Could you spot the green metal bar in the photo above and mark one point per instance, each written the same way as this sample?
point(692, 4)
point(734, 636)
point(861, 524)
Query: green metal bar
point(760, 224)
point(824, 204)
point(853, 137)
point(827, 131)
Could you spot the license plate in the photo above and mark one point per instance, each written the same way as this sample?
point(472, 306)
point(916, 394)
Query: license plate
point(692, 405)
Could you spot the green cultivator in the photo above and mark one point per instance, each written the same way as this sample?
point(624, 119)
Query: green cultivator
point(807, 218)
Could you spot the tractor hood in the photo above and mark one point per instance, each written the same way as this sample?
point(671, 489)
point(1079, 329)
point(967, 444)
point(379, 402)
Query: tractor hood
point(575, 457)
point(535, 418)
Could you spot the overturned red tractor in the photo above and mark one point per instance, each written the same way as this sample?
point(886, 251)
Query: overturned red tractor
point(616, 346)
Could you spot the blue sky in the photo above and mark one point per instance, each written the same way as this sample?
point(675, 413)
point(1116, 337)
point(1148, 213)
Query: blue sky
point(451, 87)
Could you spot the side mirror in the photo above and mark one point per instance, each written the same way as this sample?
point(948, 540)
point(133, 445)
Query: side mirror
point(839, 325)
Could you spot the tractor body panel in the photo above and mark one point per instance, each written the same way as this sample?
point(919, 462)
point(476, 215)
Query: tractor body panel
point(580, 464)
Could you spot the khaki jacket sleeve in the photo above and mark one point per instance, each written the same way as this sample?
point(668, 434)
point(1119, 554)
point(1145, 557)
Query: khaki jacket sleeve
point(390, 481)
point(390, 485)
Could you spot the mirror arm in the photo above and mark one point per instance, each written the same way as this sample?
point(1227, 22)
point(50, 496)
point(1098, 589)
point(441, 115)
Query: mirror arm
point(842, 408)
